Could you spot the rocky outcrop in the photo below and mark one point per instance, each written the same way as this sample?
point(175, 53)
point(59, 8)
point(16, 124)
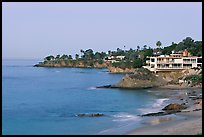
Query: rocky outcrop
point(179, 77)
point(90, 115)
point(174, 107)
point(169, 109)
point(155, 114)
point(112, 69)
point(103, 65)
point(74, 63)
point(171, 77)
point(142, 78)
point(198, 104)
point(106, 86)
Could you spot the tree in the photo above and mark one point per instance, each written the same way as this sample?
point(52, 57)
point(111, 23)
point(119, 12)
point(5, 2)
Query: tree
point(97, 56)
point(141, 56)
point(103, 55)
point(82, 52)
point(133, 56)
point(57, 57)
point(169, 49)
point(148, 52)
point(49, 58)
point(76, 56)
point(70, 57)
point(138, 48)
point(100, 61)
point(158, 44)
point(188, 44)
point(88, 54)
point(119, 52)
point(188, 40)
point(64, 57)
point(145, 47)
point(137, 63)
point(109, 52)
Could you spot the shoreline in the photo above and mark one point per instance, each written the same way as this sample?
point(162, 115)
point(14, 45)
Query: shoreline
point(186, 122)
point(190, 124)
point(176, 87)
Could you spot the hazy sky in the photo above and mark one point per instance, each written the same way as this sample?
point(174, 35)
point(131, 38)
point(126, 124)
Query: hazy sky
point(35, 30)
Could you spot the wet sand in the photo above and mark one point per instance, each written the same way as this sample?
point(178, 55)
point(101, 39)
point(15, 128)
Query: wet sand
point(186, 122)
point(190, 125)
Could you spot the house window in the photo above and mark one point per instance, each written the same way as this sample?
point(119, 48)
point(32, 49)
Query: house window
point(152, 60)
point(152, 65)
point(199, 60)
point(193, 60)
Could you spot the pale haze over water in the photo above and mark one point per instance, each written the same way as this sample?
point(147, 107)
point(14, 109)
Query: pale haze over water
point(35, 30)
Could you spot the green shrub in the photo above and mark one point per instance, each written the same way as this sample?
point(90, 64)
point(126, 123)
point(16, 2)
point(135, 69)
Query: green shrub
point(194, 78)
point(137, 63)
point(100, 61)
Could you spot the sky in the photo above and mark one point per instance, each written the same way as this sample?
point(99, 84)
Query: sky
point(35, 30)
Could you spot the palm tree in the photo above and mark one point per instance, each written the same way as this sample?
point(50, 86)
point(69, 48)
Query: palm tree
point(158, 44)
point(70, 57)
point(109, 53)
point(64, 57)
point(145, 47)
point(76, 56)
point(57, 57)
point(138, 48)
point(82, 51)
point(49, 58)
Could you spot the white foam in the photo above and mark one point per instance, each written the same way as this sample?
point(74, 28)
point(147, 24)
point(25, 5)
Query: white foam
point(155, 107)
point(125, 117)
point(159, 102)
point(148, 110)
point(57, 71)
point(91, 88)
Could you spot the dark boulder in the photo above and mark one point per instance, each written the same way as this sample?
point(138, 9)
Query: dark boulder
point(90, 115)
point(174, 107)
point(106, 86)
point(155, 114)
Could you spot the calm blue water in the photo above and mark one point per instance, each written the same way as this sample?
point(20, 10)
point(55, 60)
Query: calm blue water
point(39, 100)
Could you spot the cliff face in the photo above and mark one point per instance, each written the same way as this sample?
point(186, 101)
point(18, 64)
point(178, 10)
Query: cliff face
point(142, 78)
point(171, 77)
point(120, 70)
point(103, 65)
point(178, 77)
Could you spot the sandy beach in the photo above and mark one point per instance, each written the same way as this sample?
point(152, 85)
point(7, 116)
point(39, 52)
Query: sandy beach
point(186, 122)
point(190, 125)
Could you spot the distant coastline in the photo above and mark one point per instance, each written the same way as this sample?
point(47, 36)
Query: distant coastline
point(122, 60)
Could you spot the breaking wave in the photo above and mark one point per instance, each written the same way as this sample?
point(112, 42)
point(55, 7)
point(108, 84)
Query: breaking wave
point(125, 117)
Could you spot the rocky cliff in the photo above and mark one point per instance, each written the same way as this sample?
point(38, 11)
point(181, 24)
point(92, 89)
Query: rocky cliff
point(78, 64)
point(142, 78)
point(112, 69)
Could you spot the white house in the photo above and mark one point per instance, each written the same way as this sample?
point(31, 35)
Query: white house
point(174, 61)
point(113, 59)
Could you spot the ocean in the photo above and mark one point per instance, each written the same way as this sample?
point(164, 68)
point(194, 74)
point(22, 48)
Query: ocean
point(38, 101)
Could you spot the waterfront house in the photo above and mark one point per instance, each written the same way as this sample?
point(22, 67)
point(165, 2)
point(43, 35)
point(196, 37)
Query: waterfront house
point(173, 62)
point(113, 59)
